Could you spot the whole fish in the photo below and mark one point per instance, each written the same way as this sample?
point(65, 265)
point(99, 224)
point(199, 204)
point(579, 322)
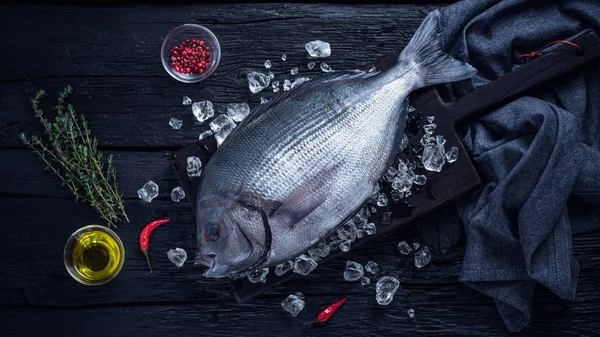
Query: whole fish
point(301, 164)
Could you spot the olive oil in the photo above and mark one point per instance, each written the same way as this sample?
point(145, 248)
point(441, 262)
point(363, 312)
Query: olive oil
point(94, 255)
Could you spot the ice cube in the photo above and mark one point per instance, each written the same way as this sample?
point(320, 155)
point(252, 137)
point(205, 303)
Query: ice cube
point(177, 256)
point(403, 182)
point(220, 121)
point(390, 174)
point(360, 233)
point(429, 128)
point(345, 246)
point(410, 313)
point(365, 281)
point(386, 289)
point(420, 179)
point(271, 75)
point(238, 111)
point(186, 100)
point(293, 304)
point(325, 67)
point(258, 275)
point(324, 249)
point(411, 108)
point(287, 85)
point(396, 195)
point(177, 194)
point(268, 64)
point(205, 134)
point(386, 218)
point(303, 265)
point(299, 81)
point(452, 154)
point(430, 119)
point(175, 123)
point(263, 100)
point(310, 65)
point(284, 57)
point(294, 71)
point(371, 267)
point(194, 166)
point(148, 192)
point(440, 140)
point(373, 210)
point(223, 133)
point(258, 81)
point(434, 157)
point(370, 228)
point(275, 86)
point(364, 213)
point(382, 200)
point(404, 248)
point(203, 110)
point(318, 48)
point(407, 193)
point(422, 257)
point(427, 140)
point(404, 142)
point(283, 268)
point(354, 271)
point(402, 167)
point(416, 245)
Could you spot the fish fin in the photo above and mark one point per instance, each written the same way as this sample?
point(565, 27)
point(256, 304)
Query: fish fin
point(401, 125)
point(305, 200)
point(433, 64)
point(283, 95)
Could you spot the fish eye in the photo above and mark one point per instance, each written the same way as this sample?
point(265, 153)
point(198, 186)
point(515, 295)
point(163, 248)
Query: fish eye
point(212, 232)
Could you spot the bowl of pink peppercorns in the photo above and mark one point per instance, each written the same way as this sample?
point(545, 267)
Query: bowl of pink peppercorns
point(190, 53)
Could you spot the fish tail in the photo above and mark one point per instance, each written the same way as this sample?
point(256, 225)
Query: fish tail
point(424, 52)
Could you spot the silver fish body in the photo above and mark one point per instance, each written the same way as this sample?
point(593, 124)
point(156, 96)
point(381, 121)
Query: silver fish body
point(299, 165)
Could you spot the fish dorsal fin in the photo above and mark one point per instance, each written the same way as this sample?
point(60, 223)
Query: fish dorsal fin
point(283, 95)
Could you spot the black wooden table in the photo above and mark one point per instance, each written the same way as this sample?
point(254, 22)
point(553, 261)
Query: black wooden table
point(111, 58)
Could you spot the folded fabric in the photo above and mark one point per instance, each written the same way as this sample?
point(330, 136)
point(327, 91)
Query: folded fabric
point(539, 157)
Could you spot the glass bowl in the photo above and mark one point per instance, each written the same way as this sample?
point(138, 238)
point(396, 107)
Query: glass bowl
point(94, 255)
point(190, 31)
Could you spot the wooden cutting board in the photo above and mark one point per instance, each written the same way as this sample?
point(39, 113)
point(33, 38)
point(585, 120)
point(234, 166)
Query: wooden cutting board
point(455, 179)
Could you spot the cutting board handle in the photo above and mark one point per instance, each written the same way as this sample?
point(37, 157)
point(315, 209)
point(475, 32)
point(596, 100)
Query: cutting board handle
point(552, 64)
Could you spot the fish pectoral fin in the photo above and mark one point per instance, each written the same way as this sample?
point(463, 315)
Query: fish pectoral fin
point(297, 206)
point(306, 199)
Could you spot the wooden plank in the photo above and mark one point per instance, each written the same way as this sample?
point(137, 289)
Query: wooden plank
point(112, 59)
point(440, 312)
point(23, 174)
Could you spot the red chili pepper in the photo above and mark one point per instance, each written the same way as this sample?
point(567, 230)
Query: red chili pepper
point(326, 313)
point(145, 237)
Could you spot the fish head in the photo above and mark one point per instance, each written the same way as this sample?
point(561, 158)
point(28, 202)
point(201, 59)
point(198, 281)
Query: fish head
point(229, 235)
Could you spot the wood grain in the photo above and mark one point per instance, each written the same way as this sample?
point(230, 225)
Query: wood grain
point(110, 56)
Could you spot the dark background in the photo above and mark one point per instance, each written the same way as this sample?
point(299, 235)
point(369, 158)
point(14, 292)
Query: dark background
point(111, 56)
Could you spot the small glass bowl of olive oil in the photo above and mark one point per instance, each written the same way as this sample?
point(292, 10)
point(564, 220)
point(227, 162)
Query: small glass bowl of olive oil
point(94, 255)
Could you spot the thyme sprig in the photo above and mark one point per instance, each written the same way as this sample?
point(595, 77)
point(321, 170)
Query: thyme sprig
point(71, 152)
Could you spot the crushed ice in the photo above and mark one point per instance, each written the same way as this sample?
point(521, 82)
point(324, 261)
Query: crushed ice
point(293, 304)
point(258, 81)
point(386, 289)
point(318, 48)
point(177, 256)
point(177, 194)
point(203, 110)
point(148, 192)
point(194, 166)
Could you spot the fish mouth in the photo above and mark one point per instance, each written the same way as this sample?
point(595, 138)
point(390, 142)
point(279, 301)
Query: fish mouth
point(214, 269)
point(205, 260)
